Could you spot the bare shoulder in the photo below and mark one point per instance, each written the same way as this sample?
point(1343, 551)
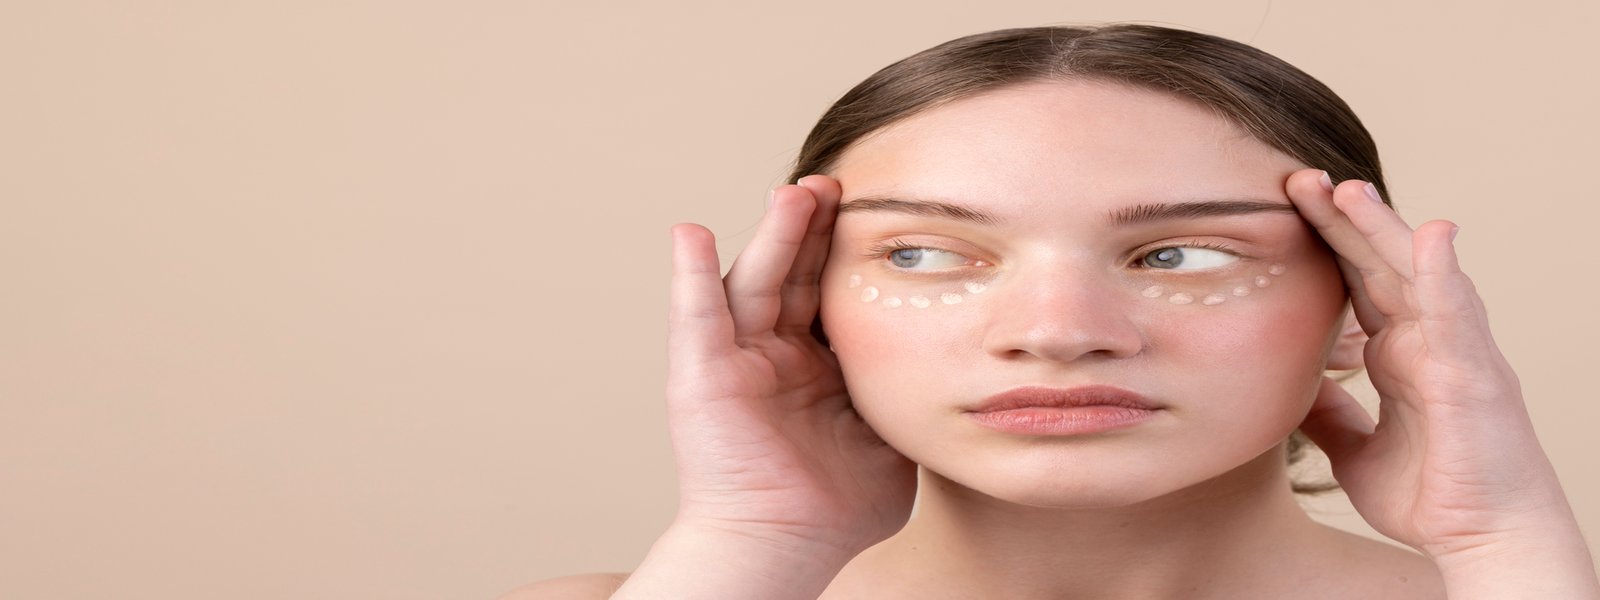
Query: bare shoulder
point(1386, 571)
point(586, 586)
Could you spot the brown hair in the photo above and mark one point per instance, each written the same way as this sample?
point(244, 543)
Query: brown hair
point(1270, 99)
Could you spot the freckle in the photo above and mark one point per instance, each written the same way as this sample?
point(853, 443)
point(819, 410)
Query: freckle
point(1213, 299)
point(1152, 291)
point(855, 281)
point(1241, 291)
point(1262, 281)
point(869, 294)
point(1180, 298)
point(892, 302)
point(950, 298)
point(1277, 269)
point(920, 301)
point(975, 287)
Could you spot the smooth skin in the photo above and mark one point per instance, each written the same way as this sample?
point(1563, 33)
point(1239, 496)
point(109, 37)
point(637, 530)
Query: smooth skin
point(774, 464)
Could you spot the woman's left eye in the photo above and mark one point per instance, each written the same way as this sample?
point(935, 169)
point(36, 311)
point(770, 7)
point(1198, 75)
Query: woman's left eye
point(1201, 256)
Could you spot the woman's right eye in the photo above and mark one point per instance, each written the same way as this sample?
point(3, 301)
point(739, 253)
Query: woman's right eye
point(907, 257)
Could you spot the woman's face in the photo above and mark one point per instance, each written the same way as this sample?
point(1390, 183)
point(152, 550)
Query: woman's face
point(1062, 285)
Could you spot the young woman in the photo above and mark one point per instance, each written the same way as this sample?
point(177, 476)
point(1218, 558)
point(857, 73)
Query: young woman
point(1087, 282)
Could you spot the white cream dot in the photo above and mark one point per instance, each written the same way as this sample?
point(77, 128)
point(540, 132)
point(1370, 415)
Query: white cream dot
point(855, 281)
point(1152, 291)
point(920, 301)
point(1180, 298)
point(1241, 291)
point(1262, 281)
point(950, 298)
point(869, 294)
point(1213, 299)
point(1277, 269)
point(892, 302)
point(975, 287)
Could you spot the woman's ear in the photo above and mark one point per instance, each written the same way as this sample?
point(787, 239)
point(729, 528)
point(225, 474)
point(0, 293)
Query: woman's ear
point(1348, 350)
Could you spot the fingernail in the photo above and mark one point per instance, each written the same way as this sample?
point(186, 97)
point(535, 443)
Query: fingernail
point(1453, 232)
point(1372, 192)
point(769, 196)
point(1327, 182)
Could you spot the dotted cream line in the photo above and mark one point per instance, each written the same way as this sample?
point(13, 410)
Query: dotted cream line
point(871, 293)
point(1261, 281)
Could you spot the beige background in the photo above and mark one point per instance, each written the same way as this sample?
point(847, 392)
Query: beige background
point(367, 299)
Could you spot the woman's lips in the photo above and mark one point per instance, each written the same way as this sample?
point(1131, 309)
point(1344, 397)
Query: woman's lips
point(1042, 396)
point(1037, 420)
point(1042, 410)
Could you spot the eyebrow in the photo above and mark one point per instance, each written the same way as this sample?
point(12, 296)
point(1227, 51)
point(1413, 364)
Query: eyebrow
point(1122, 217)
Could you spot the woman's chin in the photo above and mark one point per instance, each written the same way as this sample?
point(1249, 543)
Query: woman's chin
point(1099, 479)
point(1080, 491)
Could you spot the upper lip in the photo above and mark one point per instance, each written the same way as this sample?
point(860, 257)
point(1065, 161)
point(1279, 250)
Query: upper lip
point(1041, 396)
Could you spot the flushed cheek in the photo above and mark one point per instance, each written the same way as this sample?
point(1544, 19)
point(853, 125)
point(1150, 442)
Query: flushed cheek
point(1254, 361)
point(895, 353)
point(894, 335)
point(1276, 321)
point(871, 318)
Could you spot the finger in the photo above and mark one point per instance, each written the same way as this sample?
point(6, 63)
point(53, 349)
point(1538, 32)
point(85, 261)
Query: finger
point(1337, 423)
point(1454, 325)
point(698, 323)
point(757, 275)
point(1385, 231)
point(801, 291)
point(1352, 224)
point(1315, 204)
point(1389, 285)
point(1367, 314)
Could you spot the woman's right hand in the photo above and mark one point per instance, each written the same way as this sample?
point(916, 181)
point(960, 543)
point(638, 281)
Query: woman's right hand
point(766, 440)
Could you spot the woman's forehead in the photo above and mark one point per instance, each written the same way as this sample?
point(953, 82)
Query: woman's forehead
point(1095, 138)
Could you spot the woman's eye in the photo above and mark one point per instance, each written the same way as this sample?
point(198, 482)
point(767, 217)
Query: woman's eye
point(1197, 257)
point(934, 259)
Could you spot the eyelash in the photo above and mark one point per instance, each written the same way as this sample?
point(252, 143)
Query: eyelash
point(882, 249)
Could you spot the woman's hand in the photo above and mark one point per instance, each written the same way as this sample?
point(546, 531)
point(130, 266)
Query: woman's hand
point(1452, 465)
point(766, 440)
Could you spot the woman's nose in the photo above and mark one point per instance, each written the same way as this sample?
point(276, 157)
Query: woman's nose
point(1061, 316)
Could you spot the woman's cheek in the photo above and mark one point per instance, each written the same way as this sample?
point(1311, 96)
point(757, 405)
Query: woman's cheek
point(1275, 334)
point(898, 348)
point(881, 315)
point(898, 338)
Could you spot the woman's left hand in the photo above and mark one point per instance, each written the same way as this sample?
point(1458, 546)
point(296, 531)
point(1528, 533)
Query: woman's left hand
point(1452, 465)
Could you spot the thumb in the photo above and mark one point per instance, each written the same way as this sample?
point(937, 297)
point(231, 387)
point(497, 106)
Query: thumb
point(1337, 423)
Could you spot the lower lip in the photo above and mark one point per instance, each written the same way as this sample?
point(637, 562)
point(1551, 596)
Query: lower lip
point(1039, 420)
